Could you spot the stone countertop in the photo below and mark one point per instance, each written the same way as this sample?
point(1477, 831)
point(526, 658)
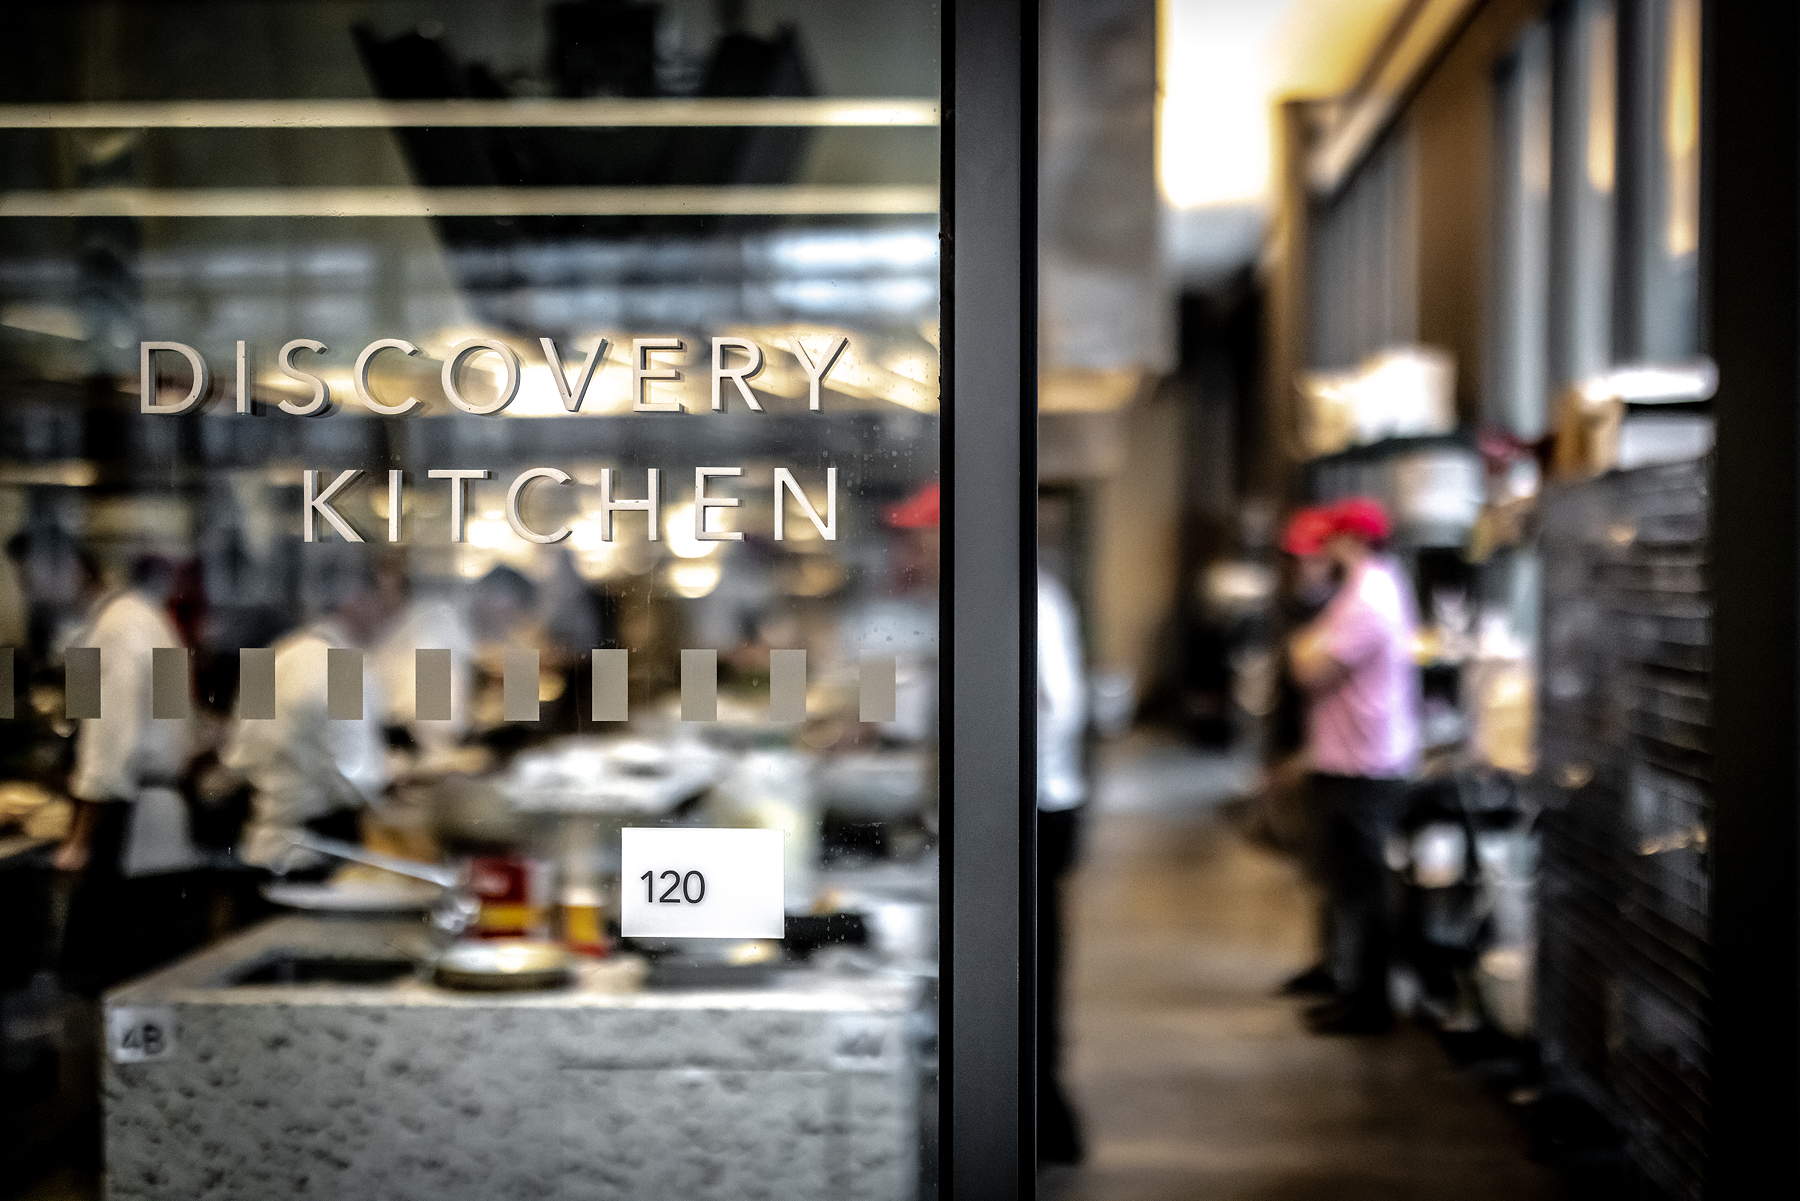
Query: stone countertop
point(805, 1089)
point(600, 984)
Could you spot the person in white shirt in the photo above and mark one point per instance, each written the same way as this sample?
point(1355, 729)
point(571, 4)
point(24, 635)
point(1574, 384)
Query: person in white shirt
point(126, 762)
point(1062, 789)
point(434, 622)
point(308, 770)
point(125, 748)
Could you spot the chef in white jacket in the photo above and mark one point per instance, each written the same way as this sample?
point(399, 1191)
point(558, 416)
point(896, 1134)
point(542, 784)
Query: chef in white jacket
point(128, 819)
point(125, 750)
point(308, 770)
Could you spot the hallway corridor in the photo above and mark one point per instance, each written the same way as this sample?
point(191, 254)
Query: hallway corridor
point(1195, 1082)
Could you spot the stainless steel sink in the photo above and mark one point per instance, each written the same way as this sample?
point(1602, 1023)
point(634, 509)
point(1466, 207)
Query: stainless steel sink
point(300, 968)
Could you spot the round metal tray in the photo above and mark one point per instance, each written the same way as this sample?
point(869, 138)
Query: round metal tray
point(504, 965)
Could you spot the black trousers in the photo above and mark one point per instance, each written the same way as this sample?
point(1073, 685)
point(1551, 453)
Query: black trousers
point(117, 927)
point(1359, 813)
point(1058, 847)
point(97, 950)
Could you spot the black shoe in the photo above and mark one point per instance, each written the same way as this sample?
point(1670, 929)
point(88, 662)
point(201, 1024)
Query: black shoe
point(1349, 1018)
point(1315, 981)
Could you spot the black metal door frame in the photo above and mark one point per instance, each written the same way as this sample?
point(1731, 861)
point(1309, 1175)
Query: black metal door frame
point(1750, 310)
point(988, 599)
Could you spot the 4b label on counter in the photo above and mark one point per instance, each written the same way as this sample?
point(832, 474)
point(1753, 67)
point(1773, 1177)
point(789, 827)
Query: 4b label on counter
point(700, 883)
point(140, 1035)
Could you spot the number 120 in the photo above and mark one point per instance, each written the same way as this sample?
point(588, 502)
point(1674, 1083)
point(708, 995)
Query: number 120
point(689, 888)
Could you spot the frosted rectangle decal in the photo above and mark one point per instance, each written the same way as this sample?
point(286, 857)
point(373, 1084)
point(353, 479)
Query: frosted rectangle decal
point(787, 686)
point(699, 685)
point(81, 682)
point(171, 694)
point(343, 684)
point(519, 686)
point(612, 677)
point(256, 683)
point(876, 689)
point(431, 684)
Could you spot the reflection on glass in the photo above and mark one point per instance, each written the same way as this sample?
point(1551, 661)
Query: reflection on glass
point(434, 737)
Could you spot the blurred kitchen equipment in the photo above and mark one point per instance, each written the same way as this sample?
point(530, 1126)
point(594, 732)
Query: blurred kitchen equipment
point(712, 963)
point(513, 895)
point(504, 965)
point(874, 786)
point(369, 898)
point(902, 931)
point(1504, 977)
point(773, 790)
point(454, 909)
point(806, 933)
point(288, 969)
point(430, 873)
point(581, 891)
point(630, 777)
point(1399, 392)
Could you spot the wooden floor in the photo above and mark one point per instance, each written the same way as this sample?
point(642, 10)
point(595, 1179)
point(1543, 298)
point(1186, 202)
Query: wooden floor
point(1194, 1081)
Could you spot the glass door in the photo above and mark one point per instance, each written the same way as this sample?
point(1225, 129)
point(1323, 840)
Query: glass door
point(476, 705)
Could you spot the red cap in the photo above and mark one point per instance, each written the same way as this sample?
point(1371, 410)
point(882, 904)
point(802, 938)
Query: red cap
point(1307, 531)
point(917, 512)
point(1361, 517)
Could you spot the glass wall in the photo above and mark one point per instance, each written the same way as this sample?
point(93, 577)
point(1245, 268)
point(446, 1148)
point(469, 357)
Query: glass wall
point(468, 475)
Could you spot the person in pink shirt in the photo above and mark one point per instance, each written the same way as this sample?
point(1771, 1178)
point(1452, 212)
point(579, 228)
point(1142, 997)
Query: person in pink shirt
point(1362, 734)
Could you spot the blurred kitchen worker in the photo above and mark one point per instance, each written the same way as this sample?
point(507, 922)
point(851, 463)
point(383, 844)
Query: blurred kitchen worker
point(504, 606)
point(308, 770)
point(506, 612)
point(127, 763)
point(907, 622)
point(1310, 581)
point(1355, 662)
point(427, 622)
point(1061, 791)
point(52, 584)
point(59, 581)
point(902, 621)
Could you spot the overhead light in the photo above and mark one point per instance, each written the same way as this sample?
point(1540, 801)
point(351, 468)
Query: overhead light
point(581, 113)
point(679, 533)
point(487, 531)
point(693, 580)
point(620, 201)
